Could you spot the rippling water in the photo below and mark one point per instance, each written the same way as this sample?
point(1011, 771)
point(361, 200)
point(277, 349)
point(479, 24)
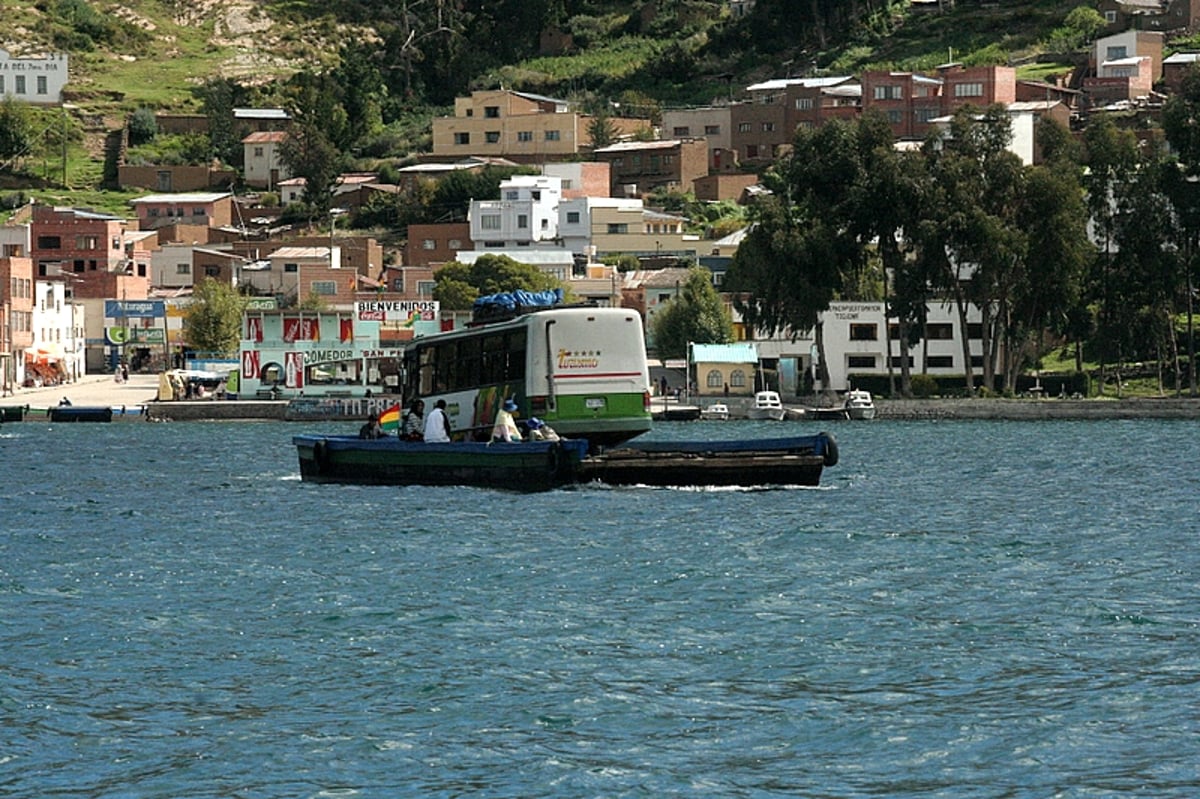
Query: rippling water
point(961, 609)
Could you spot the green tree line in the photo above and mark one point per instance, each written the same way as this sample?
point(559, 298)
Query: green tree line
point(963, 221)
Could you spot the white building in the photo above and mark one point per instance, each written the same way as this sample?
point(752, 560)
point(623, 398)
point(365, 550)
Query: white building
point(262, 154)
point(37, 80)
point(58, 329)
point(1022, 117)
point(857, 343)
point(526, 214)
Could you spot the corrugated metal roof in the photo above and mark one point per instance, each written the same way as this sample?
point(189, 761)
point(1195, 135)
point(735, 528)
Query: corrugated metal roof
point(741, 352)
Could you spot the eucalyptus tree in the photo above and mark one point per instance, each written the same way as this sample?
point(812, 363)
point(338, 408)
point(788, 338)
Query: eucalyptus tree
point(886, 199)
point(1181, 123)
point(801, 250)
point(1111, 161)
point(1148, 268)
point(317, 139)
point(980, 184)
point(1053, 217)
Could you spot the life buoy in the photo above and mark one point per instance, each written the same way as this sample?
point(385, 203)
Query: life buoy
point(831, 450)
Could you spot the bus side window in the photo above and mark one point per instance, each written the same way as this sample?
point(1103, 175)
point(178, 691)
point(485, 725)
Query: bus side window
point(469, 364)
point(515, 370)
point(493, 360)
point(442, 366)
point(425, 379)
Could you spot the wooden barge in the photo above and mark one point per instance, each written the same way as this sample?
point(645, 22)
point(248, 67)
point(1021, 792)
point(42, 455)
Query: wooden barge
point(543, 465)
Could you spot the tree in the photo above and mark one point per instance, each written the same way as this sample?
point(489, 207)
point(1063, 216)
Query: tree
point(213, 321)
point(696, 316)
point(318, 138)
point(1112, 161)
point(16, 131)
point(1052, 266)
point(982, 243)
point(362, 88)
point(143, 126)
point(458, 285)
point(602, 131)
point(218, 98)
point(884, 208)
point(800, 252)
point(1180, 117)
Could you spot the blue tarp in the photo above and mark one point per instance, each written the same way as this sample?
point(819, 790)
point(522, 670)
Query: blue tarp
point(512, 300)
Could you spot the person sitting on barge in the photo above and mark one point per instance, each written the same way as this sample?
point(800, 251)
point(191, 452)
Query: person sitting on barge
point(414, 422)
point(505, 429)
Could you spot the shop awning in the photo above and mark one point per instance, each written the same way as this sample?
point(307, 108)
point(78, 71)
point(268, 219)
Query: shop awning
point(47, 353)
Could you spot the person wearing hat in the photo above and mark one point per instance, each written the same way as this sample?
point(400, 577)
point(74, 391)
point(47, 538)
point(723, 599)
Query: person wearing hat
point(540, 431)
point(505, 429)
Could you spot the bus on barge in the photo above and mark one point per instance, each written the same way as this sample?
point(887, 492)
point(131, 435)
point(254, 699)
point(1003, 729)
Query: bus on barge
point(581, 369)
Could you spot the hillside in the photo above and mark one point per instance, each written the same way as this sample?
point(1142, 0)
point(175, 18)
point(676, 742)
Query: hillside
point(155, 53)
point(642, 56)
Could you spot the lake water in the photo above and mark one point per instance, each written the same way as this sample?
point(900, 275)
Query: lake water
point(962, 609)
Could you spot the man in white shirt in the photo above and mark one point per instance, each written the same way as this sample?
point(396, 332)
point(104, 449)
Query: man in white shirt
point(437, 425)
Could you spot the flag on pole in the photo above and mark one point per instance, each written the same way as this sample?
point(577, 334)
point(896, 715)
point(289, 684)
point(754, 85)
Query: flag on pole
point(389, 420)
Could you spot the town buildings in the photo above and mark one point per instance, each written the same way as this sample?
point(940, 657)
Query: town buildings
point(587, 202)
point(526, 128)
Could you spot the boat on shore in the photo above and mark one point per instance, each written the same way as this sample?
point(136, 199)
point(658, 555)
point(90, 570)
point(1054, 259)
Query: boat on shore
point(767, 405)
point(544, 465)
point(718, 411)
point(859, 404)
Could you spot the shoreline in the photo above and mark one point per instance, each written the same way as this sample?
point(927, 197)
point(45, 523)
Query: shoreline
point(141, 390)
point(1039, 409)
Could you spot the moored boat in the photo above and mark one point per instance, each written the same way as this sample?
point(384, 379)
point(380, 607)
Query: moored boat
point(718, 411)
point(525, 466)
point(767, 405)
point(859, 404)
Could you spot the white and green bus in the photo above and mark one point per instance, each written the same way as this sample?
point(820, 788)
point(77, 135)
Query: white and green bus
point(582, 370)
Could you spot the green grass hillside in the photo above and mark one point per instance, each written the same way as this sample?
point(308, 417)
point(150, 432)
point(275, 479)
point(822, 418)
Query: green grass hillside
point(155, 54)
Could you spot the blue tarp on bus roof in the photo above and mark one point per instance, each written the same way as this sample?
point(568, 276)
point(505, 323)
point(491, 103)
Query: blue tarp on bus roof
point(512, 300)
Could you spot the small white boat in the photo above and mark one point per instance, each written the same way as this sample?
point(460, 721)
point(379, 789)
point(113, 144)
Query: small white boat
point(859, 404)
point(767, 405)
point(718, 411)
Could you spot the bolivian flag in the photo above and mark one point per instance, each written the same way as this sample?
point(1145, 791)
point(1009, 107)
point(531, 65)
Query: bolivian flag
point(389, 420)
